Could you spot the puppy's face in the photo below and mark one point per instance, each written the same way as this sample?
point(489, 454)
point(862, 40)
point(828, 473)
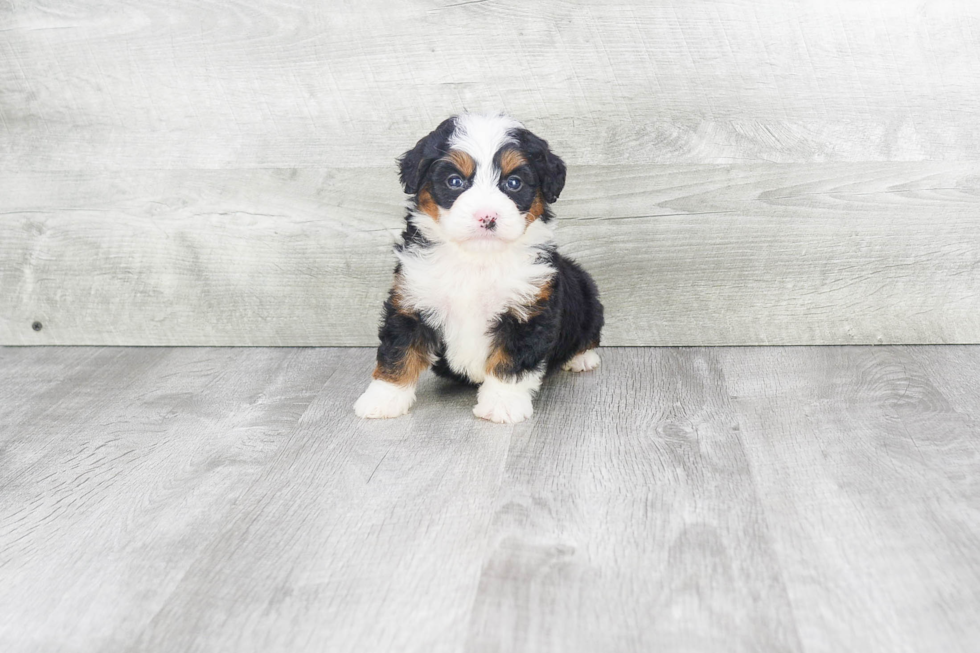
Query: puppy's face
point(481, 181)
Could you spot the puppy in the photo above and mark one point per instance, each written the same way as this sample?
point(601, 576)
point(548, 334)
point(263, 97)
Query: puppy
point(480, 293)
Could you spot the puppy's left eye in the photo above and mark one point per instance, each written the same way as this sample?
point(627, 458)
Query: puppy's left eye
point(514, 183)
point(454, 181)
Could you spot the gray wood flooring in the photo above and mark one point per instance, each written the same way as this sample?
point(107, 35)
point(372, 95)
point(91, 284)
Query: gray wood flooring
point(731, 499)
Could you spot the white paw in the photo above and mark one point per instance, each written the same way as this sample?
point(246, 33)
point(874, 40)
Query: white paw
point(504, 410)
point(584, 362)
point(383, 399)
point(506, 403)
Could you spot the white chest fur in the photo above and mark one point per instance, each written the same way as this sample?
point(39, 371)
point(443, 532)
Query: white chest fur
point(461, 294)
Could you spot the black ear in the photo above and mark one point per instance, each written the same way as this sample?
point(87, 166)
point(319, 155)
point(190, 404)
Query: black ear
point(547, 166)
point(413, 165)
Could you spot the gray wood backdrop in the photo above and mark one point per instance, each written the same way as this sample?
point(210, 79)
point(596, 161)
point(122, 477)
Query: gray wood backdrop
point(193, 172)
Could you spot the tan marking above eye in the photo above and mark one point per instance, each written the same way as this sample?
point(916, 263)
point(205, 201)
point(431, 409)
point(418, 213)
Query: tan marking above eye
point(511, 160)
point(463, 162)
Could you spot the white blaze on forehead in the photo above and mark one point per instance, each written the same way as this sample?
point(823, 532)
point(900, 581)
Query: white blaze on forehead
point(481, 136)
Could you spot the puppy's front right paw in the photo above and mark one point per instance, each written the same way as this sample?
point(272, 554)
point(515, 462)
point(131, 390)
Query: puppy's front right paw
point(383, 399)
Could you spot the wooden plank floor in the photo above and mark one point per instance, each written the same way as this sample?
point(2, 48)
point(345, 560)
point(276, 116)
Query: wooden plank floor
point(740, 499)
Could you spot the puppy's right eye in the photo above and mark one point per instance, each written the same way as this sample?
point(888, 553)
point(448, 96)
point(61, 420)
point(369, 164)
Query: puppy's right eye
point(454, 181)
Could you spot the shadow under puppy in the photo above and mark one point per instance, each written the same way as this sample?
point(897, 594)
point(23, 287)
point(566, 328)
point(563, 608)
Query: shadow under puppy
point(480, 293)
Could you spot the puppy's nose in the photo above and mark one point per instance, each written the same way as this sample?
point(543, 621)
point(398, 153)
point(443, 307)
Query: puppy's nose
point(487, 218)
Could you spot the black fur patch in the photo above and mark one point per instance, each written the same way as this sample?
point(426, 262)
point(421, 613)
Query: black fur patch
point(411, 238)
point(413, 165)
point(548, 167)
point(439, 175)
point(523, 197)
point(569, 321)
point(399, 332)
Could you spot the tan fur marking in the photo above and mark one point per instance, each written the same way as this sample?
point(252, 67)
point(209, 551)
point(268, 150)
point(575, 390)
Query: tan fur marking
point(544, 294)
point(428, 205)
point(511, 160)
point(536, 306)
point(536, 210)
point(498, 362)
point(416, 358)
point(463, 162)
point(415, 361)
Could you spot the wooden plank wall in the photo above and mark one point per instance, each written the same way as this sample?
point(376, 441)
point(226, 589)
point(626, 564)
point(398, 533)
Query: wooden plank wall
point(185, 172)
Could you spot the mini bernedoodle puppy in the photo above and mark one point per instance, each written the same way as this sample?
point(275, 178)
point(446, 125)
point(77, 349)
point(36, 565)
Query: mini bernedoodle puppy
point(480, 293)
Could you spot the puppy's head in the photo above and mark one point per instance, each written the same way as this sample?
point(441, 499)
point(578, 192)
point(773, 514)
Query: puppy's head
point(481, 181)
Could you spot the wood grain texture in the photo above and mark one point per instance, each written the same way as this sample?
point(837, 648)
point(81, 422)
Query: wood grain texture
point(683, 255)
point(260, 83)
point(120, 470)
point(220, 173)
point(756, 499)
point(369, 533)
point(630, 510)
point(129, 476)
point(860, 455)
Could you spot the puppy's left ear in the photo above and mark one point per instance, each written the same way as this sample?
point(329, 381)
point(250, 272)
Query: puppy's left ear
point(414, 164)
point(549, 168)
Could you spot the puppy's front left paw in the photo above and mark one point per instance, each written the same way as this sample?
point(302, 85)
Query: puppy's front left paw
point(503, 405)
point(383, 399)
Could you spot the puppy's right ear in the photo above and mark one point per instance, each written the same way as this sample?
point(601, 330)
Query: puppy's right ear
point(413, 165)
